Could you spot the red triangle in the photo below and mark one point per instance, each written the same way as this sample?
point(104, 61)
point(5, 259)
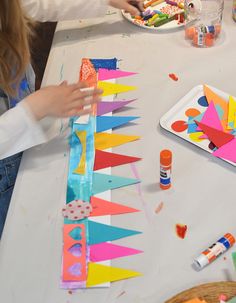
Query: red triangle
point(102, 208)
point(217, 137)
point(105, 159)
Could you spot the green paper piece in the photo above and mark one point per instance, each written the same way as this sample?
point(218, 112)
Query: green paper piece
point(99, 233)
point(234, 259)
point(102, 182)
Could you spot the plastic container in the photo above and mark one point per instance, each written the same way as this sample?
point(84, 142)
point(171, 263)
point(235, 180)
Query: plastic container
point(203, 20)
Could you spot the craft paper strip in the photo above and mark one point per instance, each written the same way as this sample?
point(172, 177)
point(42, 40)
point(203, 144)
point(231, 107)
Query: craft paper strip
point(74, 266)
point(217, 137)
point(108, 251)
point(98, 274)
point(77, 210)
point(108, 122)
point(106, 74)
point(227, 151)
point(105, 107)
point(213, 97)
point(234, 259)
point(81, 168)
point(114, 88)
point(102, 208)
point(105, 159)
point(102, 182)
point(99, 233)
point(211, 118)
point(232, 113)
point(105, 140)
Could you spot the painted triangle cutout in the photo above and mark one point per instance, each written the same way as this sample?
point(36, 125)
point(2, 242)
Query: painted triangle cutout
point(227, 151)
point(211, 118)
point(103, 182)
point(102, 207)
point(104, 123)
point(105, 140)
point(217, 137)
point(104, 107)
point(113, 89)
point(105, 159)
point(99, 233)
point(107, 74)
point(99, 274)
point(108, 251)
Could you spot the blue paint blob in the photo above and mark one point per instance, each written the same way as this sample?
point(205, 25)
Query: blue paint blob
point(203, 101)
point(104, 63)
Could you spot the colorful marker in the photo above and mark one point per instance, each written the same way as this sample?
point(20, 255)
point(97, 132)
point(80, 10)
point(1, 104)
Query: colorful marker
point(214, 251)
point(165, 168)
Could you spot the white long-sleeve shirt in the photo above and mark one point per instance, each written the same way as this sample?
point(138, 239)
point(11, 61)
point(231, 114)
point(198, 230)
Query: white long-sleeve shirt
point(18, 128)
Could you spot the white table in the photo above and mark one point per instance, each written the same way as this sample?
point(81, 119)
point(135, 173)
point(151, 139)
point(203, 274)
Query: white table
point(202, 196)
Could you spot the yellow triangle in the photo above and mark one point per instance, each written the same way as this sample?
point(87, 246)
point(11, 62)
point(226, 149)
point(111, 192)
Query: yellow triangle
point(98, 274)
point(211, 96)
point(231, 113)
point(113, 88)
point(105, 140)
point(81, 167)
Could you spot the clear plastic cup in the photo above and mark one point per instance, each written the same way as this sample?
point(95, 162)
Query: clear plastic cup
point(203, 20)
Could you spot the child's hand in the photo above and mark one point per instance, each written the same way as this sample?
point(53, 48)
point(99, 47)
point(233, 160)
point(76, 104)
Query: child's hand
point(128, 6)
point(62, 100)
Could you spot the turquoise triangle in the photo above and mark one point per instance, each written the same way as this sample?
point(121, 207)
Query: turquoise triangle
point(102, 182)
point(99, 233)
point(108, 122)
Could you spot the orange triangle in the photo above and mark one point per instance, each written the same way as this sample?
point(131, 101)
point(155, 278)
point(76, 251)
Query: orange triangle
point(211, 96)
point(102, 208)
point(217, 137)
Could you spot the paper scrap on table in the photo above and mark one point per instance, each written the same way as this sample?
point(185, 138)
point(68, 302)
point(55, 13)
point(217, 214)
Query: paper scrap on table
point(98, 274)
point(99, 233)
point(105, 140)
point(108, 251)
point(227, 151)
point(181, 230)
point(102, 207)
point(104, 107)
point(113, 89)
point(103, 182)
point(82, 163)
point(105, 159)
point(107, 74)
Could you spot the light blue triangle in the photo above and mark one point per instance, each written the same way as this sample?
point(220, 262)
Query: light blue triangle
point(99, 233)
point(102, 182)
point(108, 122)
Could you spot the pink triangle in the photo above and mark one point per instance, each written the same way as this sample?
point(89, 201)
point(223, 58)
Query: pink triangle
point(102, 207)
point(211, 118)
point(106, 74)
point(108, 251)
point(217, 137)
point(105, 107)
point(227, 151)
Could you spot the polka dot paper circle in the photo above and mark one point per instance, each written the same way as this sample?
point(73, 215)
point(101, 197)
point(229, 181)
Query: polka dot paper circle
point(77, 210)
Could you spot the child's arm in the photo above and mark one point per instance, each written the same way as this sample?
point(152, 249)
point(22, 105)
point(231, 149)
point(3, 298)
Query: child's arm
point(59, 10)
point(20, 128)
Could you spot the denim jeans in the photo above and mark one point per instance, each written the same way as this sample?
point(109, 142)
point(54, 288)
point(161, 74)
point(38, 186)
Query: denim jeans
point(8, 172)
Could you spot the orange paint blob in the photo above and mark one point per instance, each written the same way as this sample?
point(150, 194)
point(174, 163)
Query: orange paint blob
point(173, 77)
point(192, 112)
point(181, 230)
point(179, 126)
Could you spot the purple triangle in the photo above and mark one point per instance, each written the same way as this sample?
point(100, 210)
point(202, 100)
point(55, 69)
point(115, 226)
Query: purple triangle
point(105, 107)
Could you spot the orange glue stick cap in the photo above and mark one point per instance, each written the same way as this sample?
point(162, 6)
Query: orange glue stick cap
point(165, 157)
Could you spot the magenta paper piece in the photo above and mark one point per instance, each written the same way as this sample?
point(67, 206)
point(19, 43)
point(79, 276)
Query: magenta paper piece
point(105, 107)
point(107, 251)
point(106, 74)
point(227, 151)
point(211, 118)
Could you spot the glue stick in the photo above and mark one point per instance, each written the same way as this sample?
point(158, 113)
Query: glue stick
point(165, 168)
point(214, 251)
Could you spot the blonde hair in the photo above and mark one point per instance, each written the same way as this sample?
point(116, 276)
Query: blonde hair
point(15, 30)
